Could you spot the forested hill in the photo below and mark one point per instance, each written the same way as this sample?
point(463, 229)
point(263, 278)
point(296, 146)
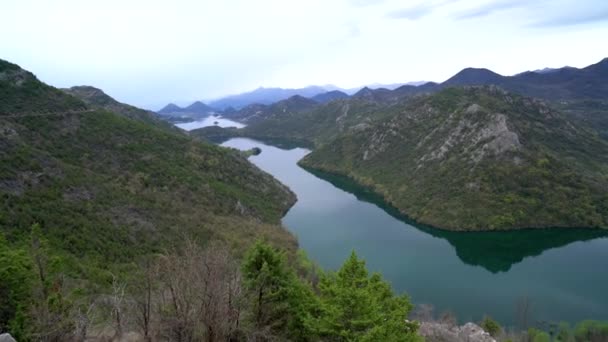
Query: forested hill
point(105, 188)
point(476, 158)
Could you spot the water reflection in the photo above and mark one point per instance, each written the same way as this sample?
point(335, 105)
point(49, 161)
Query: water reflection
point(494, 251)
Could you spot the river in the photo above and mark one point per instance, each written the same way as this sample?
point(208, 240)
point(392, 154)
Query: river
point(561, 274)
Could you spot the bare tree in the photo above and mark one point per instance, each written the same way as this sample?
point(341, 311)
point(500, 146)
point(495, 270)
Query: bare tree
point(423, 313)
point(83, 317)
point(180, 294)
point(199, 297)
point(220, 311)
point(142, 292)
point(117, 303)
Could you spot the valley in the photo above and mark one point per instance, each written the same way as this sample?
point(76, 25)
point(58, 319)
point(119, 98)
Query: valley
point(333, 216)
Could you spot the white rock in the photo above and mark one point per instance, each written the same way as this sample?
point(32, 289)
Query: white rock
point(7, 338)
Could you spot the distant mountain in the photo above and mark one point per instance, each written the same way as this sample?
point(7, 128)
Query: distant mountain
point(550, 70)
point(265, 96)
point(174, 113)
point(282, 109)
point(199, 108)
point(170, 108)
point(329, 96)
point(470, 76)
point(466, 154)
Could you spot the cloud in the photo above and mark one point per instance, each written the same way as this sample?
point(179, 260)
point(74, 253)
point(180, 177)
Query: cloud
point(490, 8)
point(413, 13)
point(576, 19)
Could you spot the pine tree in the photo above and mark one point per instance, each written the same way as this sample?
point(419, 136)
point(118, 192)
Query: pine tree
point(357, 307)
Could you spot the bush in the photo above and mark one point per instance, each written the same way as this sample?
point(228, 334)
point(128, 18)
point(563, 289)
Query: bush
point(491, 326)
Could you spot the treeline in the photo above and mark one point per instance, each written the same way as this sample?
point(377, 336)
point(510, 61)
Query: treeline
point(200, 294)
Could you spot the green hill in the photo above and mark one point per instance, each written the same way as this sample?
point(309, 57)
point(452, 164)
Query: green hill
point(108, 182)
point(476, 158)
point(96, 98)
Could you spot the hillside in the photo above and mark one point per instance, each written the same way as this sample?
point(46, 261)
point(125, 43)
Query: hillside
point(477, 158)
point(106, 188)
point(96, 98)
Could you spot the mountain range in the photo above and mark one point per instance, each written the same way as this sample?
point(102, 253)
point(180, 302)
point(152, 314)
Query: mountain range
point(581, 94)
point(479, 151)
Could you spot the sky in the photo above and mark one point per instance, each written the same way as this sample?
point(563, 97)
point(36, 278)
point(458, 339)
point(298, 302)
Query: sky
point(148, 53)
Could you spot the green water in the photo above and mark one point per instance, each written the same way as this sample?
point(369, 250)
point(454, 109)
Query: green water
point(562, 274)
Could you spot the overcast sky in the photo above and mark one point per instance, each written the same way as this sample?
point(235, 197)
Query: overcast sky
point(150, 52)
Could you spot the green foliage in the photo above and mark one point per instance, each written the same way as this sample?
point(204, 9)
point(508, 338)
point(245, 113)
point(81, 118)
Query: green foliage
point(105, 189)
point(491, 326)
point(280, 302)
point(591, 331)
point(357, 307)
point(16, 275)
point(441, 160)
point(535, 335)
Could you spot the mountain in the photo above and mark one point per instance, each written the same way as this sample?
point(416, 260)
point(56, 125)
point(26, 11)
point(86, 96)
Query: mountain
point(377, 95)
point(474, 76)
point(174, 113)
point(265, 96)
point(96, 98)
point(550, 70)
point(281, 109)
point(170, 108)
point(329, 96)
point(476, 158)
point(107, 189)
point(199, 108)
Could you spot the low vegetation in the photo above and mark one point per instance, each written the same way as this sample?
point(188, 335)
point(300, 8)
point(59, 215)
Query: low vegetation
point(188, 293)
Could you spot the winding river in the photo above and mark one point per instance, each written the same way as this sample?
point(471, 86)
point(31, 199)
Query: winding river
point(560, 275)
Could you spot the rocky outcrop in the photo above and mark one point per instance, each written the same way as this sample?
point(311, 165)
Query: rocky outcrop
point(443, 332)
point(7, 338)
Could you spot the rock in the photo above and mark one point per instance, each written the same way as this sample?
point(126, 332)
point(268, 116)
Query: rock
point(7, 338)
point(442, 332)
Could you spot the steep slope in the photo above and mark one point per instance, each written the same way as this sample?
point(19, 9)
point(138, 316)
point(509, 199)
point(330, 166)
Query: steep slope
point(477, 158)
point(107, 188)
point(96, 98)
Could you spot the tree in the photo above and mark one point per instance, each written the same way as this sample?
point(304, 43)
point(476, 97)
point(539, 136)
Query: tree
point(491, 326)
point(358, 307)
point(142, 289)
point(199, 294)
point(280, 303)
point(50, 312)
point(16, 278)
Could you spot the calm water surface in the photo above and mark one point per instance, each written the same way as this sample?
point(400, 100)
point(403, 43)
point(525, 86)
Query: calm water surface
point(562, 274)
point(209, 121)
